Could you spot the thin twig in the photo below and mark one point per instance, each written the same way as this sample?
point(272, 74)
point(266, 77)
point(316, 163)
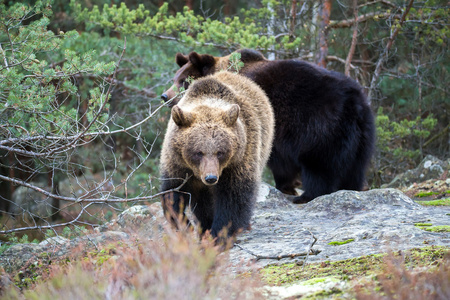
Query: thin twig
point(90, 202)
point(363, 18)
point(67, 138)
point(84, 199)
point(281, 256)
point(354, 38)
point(310, 248)
point(385, 53)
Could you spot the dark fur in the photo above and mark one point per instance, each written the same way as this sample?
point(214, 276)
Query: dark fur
point(324, 126)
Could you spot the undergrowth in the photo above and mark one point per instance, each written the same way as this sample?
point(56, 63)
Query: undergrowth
point(173, 265)
point(422, 273)
point(398, 280)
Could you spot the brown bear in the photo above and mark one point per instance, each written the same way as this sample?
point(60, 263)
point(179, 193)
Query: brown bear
point(220, 136)
point(324, 126)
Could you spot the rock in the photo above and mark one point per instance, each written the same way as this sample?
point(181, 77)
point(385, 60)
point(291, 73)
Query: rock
point(430, 168)
point(143, 219)
point(55, 241)
point(359, 223)
point(339, 226)
point(31, 203)
point(75, 187)
point(23, 255)
point(36, 205)
point(305, 289)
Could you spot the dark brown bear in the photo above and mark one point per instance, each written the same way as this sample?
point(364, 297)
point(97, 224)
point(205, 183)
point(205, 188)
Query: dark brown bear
point(324, 127)
point(220, 135)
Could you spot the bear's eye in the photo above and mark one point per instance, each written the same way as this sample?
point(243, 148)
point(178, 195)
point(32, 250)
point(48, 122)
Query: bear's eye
point(220, 154)
point(198, 155)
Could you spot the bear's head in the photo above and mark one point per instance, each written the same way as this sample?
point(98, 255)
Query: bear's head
point(192, 66)
point(209, 139)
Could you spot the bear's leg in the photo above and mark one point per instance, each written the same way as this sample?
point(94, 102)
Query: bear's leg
point(316, 184)
point(174, 203)
point(233, 204)
point(355, 179)
point(203, 209)
point(286, 175)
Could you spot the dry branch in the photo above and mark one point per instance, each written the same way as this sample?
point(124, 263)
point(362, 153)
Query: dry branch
point(281, 256)
point(354, 38)
point(364, 18)
point(89, 202)
point(85, 198)
point(385, 53)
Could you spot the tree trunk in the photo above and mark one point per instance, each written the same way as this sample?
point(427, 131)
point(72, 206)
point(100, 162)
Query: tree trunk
point(293, 15)
point(325, 13)
point(189, 3)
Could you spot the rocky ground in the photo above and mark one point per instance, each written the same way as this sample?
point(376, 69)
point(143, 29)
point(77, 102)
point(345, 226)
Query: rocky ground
point(341, 226)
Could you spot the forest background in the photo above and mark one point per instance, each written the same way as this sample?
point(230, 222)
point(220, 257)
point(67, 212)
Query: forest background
point(81, 120)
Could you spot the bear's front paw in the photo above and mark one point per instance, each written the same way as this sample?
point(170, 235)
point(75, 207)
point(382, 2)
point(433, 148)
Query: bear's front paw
point(302, 199)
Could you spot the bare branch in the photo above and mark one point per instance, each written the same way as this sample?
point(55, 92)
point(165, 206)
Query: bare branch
point(310, 248)
point(66, 138)
point(366, 17)
point(385, 53)
point(84, 198)
point(278, 257)
point(354, 38)
point(341, 60)
point(388, 3)
point(80, 200)
point(281, 256)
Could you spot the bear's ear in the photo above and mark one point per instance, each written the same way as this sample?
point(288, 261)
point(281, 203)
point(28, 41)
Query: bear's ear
point(202, 62)
point(231, 115)
point(180, 117)
point(181, 59)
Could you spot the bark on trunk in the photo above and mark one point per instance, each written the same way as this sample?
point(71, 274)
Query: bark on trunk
point(323, 32)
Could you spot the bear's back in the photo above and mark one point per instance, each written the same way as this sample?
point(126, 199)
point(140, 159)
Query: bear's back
point(226, 88)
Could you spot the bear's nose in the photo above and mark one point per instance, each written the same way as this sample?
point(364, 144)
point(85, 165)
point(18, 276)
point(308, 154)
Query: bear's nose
point(164, 97)
point(211, 179)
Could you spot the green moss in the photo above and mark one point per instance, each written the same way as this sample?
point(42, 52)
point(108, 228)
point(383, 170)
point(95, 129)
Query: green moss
point(338, 243)
point(348, 269)
point(334, 293)
point(314, 281)
point(440, 228)
point(425, 194)
point(440, 202)
point(423, 224)
point(430, 227)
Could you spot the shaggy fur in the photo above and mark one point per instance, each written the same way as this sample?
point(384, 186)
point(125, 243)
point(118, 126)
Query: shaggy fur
point(221, 135)
point(324, 131)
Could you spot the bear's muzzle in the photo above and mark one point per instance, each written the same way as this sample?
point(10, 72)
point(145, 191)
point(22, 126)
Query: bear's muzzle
point(211, 179)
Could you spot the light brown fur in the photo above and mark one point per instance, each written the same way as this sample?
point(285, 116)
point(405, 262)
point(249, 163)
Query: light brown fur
point(250, 143)
point(224, 123)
